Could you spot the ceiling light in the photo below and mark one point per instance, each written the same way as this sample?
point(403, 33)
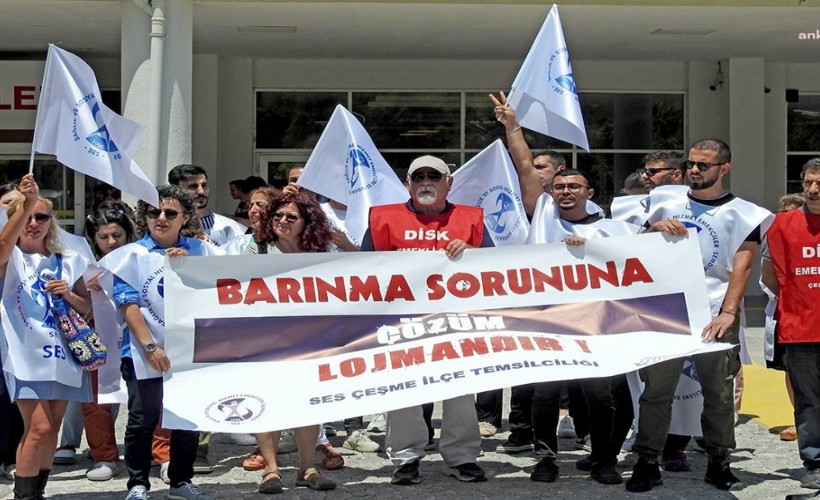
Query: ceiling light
point(266, 29)
point(683, 32)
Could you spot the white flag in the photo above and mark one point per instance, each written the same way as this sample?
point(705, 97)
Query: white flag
point(74, 125)
point(489, 181)
point(543, 94)
point(346, 167)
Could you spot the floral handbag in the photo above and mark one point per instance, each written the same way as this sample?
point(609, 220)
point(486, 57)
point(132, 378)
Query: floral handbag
point(85, 345)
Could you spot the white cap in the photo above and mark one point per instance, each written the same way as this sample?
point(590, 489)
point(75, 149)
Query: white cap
point(428, 161)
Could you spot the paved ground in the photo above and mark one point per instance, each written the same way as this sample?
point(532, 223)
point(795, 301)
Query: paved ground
point(768, 467)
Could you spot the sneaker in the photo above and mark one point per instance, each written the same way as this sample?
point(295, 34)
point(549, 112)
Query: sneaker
point(138, 492)
point(811, 480)
point(330, 431)
point(486, 429)
point(65, 455)
point(431, 445)
point(7, 471)
point(163, 472)
point(407, 474)
point(645, 476)
point(721, 477)
point(187, 491)
point(605, 473)
point(468, 473)
point(566, 428)
point(514, 445)
point(104, 471)
point(287, 442)
point(360, 441)
point(675, 462)
point(583, 443)
point(789, 434)
point(378, 424)
point(239, 439)
point(545, 471)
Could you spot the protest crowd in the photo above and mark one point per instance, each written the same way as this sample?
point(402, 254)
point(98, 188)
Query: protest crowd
point(109, 343)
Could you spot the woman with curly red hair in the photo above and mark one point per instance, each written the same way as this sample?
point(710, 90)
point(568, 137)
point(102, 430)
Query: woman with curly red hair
point(292, 223)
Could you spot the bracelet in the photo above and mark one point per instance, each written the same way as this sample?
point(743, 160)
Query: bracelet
point(727, 312)
point(516, 129)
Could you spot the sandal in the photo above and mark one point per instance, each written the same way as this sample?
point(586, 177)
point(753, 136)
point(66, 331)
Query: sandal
point(331, 459)
point(254, 462)
point(311, 478)
point(271, 483)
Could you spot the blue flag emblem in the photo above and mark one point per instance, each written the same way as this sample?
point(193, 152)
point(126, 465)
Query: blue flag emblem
point(358, 160)
point(100, 138)
point(505, 205)
point(567, 82)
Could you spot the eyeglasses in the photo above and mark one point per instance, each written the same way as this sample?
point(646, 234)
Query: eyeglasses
point(702, 165)
point(170, 213)
point(420, 176)
point(652, 172)
point(573, 187)
point(40, 217)
point(290, 218)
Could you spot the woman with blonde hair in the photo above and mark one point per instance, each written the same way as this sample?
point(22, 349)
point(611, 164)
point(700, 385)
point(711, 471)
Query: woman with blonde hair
point(41, 375)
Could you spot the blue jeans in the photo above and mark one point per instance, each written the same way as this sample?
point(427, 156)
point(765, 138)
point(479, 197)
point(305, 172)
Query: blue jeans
point(804, 373)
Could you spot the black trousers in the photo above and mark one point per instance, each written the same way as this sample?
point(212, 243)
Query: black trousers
point(489, 404)
point(608, 400)
point(144, 411)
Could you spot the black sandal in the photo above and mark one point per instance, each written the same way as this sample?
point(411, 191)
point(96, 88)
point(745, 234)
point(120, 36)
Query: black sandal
point(271, 485)
point(311, 478)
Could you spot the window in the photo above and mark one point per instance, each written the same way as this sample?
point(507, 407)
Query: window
point(456, 125)
point(803, 125)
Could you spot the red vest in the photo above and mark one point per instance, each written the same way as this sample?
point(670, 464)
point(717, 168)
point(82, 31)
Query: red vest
point(794, 244)
point(395, 227)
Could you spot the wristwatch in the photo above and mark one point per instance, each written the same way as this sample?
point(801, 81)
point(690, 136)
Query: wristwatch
point(149, 347)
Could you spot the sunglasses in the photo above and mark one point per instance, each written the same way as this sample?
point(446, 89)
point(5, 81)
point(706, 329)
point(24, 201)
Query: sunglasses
point(420, 176)
point(40, 217)
point(170, 214)
point(652, 172)
point(573, 187)
point(290, 218)
point(702, 165)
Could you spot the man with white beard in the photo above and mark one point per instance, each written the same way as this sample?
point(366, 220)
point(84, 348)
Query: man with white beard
point(427, 221)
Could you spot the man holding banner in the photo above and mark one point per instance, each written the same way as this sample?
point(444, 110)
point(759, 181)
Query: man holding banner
point(429, 222)
point(729, 230)
point(608, 397)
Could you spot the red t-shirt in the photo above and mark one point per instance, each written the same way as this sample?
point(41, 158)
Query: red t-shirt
point(794, 246)
point(396, 227)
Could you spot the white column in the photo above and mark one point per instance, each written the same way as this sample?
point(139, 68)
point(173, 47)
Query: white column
point(708, 115)
point(776, 111)
point(135, 71)
point(176, 84)
point(746, 120)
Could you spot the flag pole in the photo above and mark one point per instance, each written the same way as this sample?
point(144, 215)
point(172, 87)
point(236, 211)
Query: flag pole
point(39, 108)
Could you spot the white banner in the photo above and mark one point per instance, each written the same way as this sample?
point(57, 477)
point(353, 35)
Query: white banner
point(328, 336)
